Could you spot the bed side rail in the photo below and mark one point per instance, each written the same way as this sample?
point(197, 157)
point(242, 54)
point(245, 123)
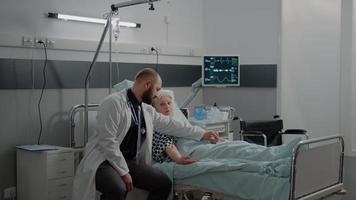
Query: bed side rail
point(317, 168)
point(73, 111)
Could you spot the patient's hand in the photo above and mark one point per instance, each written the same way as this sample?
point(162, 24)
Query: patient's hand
point(174, 154)
point(185, 160)
point(211, 136)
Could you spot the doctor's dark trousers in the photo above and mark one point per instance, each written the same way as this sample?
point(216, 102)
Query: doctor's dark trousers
point(109, 182)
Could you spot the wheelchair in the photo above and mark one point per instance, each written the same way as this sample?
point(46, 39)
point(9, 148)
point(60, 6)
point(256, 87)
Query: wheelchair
point(266, 132)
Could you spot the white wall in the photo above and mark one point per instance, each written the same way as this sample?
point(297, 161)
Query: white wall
point(250, 29)
point(28, 18)
point(347, 93)
point(346, 75)
point(311, 65)
point(353, 72)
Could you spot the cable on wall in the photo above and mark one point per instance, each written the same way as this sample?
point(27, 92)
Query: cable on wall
point(42, 90)
point(155, 50)
point(118, 72)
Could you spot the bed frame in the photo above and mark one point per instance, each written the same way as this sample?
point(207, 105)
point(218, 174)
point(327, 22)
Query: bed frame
point(316, 167)
point(310, 182)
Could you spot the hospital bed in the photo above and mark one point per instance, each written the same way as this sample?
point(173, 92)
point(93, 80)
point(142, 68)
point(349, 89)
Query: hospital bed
point(316, 173)
point(316, 170)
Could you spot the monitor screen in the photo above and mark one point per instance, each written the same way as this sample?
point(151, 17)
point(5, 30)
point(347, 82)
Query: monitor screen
point(221, 71)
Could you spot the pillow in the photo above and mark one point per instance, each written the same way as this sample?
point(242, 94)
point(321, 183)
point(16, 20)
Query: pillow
point(123, 85)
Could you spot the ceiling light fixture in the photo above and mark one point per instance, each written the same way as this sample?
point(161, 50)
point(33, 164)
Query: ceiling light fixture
point(89, 20)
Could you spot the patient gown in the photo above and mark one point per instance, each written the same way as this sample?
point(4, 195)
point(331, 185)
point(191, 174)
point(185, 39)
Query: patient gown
point(159, 144)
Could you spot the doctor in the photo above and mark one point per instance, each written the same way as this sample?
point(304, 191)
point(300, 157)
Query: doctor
point(118, 156)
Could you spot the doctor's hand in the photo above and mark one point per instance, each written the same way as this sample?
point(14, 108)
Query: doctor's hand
point(128, 182)
point(211, 136)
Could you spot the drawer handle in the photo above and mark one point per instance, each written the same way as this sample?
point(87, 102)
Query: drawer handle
point(62, 172)
point(62, 197)
point(62, 160)
point(63, 185)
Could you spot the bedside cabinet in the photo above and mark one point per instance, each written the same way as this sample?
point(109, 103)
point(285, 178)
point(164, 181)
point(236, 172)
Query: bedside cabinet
point(45, 175)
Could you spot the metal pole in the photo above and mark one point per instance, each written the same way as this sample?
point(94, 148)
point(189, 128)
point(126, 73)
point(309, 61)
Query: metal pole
point(341, 178)
point(114, 7)
point(110, 61)
point(86, 114)
point(73, 110)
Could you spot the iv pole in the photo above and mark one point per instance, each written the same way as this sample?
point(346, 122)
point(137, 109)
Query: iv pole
point(114, 9)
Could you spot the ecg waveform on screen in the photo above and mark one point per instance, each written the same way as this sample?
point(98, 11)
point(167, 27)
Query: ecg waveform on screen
point(224, 80)
point(221, 70)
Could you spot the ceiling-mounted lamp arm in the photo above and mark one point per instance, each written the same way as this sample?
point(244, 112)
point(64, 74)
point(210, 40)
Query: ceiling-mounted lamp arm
point(87, 79)
point(196, 86)
point(115, 7)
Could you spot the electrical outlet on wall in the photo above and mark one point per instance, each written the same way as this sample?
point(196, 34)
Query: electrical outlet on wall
point(37, 41)
point(9, 192)
point(153, 50)
point(144, 51)
point(27, 41)
point(50, 43)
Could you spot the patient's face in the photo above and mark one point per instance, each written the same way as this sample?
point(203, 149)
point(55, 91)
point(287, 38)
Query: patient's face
point(164, 105)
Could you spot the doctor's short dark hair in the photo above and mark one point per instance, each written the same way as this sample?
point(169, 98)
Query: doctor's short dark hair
point(146, 74)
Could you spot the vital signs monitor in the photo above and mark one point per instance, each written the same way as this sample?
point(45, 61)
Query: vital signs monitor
point(221, 70)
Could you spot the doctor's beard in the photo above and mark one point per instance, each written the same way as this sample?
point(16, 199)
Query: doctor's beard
point(147, 96)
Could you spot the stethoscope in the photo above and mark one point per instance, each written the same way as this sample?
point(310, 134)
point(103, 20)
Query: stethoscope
point(140, 131)
point(136, 117)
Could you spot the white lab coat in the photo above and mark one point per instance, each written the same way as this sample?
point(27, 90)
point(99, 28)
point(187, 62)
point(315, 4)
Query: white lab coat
point(113, 122)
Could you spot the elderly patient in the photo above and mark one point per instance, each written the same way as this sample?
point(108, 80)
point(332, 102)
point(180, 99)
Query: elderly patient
point(163, 146)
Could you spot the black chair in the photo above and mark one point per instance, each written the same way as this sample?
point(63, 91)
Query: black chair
point(267, 133)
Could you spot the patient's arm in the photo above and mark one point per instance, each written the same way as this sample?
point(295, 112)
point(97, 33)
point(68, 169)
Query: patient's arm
point(174, 154)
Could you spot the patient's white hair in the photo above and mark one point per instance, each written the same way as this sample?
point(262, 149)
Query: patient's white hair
point(164, 93)
point(177, 114)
